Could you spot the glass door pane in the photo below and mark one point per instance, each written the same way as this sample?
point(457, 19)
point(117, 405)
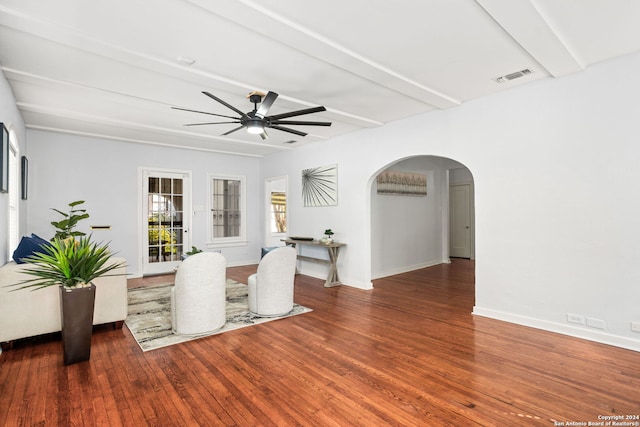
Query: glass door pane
point(166, 222)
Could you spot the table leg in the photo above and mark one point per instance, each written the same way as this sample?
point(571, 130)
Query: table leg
point(332, 278)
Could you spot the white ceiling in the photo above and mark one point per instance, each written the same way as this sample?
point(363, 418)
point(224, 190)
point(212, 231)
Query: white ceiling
point(112, 68)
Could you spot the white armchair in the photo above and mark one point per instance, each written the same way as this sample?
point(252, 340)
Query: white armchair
point(271, 288)
point(199, 297)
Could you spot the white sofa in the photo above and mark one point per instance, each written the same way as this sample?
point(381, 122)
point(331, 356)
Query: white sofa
point(26, 313)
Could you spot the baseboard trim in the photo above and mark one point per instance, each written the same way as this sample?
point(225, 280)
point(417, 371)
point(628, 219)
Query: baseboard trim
point(408, 268)
point(559, 328)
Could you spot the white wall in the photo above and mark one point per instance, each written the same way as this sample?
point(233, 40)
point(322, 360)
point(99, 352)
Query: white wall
point(555, 168)
point(11, 117)
point(104, 173)
point(407, 231)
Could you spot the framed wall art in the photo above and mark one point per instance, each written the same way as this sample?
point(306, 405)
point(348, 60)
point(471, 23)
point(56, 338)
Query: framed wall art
point(4, 160)
point(402, 183)
point(320, 186)
point(24, 171)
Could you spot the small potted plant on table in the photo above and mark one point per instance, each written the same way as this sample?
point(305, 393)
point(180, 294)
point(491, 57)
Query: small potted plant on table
point(328, 239)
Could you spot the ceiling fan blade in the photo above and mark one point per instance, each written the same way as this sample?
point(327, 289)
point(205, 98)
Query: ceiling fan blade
point(294, 122)
point(203, 112)
point(210, 123)
point(264, 135)
point(297, 113)
point(232, 130)
point(244, 115)
point(297, 132)
point(268, 101)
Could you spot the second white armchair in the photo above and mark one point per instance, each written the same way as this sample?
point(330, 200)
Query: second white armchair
point(271, 288)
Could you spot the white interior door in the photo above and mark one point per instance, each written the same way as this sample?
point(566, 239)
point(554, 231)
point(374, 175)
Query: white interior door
point(165, 219)
point(460, 221)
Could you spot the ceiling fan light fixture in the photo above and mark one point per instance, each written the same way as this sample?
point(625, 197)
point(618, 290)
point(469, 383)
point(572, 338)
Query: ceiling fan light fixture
point(255, 127)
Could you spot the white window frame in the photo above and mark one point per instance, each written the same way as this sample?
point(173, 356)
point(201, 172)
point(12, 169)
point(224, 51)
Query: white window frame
point(241, 239)
point(13, 201)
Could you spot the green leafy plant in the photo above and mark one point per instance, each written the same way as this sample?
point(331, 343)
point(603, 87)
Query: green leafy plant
point(161, 235)
point(69, 263)
point(66, 226)
point(194, 251)
point(328, 233)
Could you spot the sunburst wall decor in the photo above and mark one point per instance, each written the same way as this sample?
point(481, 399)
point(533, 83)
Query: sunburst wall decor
point(320, 186)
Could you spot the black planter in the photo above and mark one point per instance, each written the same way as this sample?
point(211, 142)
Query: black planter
point(76, 309)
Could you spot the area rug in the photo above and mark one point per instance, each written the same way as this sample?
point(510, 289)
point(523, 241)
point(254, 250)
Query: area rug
point(149, 318)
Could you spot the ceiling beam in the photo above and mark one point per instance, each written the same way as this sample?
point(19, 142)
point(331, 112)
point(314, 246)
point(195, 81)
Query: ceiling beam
point(524, 21)
point(305, 40)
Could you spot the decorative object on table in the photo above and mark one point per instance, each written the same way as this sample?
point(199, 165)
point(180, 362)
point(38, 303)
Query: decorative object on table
point(72, 265)
point(402, 183)
point(24, 174)
point(198, 298)
point(4, 159)
point(320, 186)
point(67, 225)
point(327, 239)
point(193, 251)
point(271, 288)
point(149, 318)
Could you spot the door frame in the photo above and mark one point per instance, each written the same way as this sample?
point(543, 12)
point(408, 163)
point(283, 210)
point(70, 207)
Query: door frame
point(142, 220)
point(268, 236)
point(472, 216)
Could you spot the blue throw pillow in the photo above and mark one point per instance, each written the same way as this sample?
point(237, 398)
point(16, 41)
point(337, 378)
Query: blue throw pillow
point(27, 246)
point(39, 240)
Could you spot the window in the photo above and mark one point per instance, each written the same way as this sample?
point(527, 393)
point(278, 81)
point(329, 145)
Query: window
point(14, 195)
point(278, 212)
point(227, 208)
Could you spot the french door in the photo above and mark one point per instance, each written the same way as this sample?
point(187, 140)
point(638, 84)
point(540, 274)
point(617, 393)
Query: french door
point(165, 220)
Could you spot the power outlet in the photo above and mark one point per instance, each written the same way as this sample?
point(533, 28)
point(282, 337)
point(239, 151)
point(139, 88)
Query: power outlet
point(635, 326)
point(595, 323)
point(576, 318)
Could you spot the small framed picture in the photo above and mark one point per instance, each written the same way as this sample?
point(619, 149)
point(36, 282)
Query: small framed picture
point(24, 173)
point(4, 160)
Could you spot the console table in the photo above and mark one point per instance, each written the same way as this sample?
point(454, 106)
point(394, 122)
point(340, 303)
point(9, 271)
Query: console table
point(332, 250)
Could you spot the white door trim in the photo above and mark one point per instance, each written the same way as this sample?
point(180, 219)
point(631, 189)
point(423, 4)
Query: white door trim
point(143, 173)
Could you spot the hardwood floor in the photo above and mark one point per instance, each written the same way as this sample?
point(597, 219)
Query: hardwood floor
point(407, 353)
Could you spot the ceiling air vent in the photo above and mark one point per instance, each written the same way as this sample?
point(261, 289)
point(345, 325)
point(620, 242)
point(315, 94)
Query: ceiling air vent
point(513, 76)
point(291, 141)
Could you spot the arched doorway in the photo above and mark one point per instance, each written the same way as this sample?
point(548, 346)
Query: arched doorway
point(413, 231)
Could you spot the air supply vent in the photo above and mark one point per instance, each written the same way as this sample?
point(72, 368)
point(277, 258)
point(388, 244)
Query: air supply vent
point(513, 76)
point(291, 141)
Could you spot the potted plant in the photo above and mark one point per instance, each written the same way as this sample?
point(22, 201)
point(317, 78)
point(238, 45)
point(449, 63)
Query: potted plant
point(327, 240)
point(193, 251)
point(66, 225)
point(72, 265)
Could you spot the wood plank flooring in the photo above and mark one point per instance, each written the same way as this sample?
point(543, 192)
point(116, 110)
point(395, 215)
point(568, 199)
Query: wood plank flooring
point(408, 353)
